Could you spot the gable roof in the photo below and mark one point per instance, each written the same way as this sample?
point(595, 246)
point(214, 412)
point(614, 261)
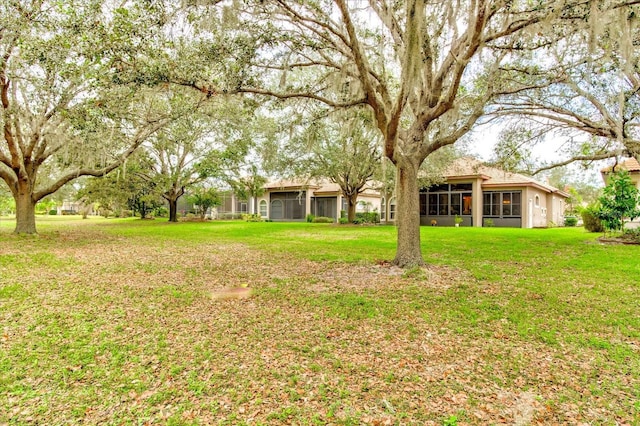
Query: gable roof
point(630, 164)
point(493, 177)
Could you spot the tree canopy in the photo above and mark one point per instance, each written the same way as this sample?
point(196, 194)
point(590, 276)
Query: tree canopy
point(85, 83)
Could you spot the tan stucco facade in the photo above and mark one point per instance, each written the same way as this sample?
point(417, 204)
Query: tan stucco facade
point(475, 193)
point(318, 198)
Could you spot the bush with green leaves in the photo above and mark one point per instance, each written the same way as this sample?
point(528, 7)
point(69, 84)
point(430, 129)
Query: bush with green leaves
point(590, 219)
point(619, 201)
point(310, 218)
point(343, 221)
point(632, 235)
point(322, 219)
point(570, 221)
point(251, 217)
point(161, 211)
point(366, 217)
point(230, 216)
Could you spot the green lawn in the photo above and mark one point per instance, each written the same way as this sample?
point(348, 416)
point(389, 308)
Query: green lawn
point(113, 322)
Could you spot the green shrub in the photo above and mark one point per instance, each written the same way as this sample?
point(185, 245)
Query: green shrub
point(230, 216)
point(251, 217)
point(370, 217)
point(570, 221)
point(619, 201)
point(488, 223)
point(322, 219)
point(53, 212)
point(161, 212)
point(591, 220)
point(310, 218)
point(631, 234)
point(343, 221)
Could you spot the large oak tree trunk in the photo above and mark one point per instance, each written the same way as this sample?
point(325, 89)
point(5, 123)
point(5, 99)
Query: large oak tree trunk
point(352, 201)
point(172, 196)
point(173, 209)
point(25, 213)
point(408, 253)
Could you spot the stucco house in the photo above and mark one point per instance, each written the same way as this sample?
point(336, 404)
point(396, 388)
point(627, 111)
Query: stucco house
point(292, 201)
point(477, 193)
point(482, 195)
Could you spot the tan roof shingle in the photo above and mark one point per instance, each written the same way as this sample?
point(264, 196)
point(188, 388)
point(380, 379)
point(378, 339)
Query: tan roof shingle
point(493, 176)
point(630, 164)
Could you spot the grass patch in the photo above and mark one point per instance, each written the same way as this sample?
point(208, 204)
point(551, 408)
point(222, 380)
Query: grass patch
point(111, 321)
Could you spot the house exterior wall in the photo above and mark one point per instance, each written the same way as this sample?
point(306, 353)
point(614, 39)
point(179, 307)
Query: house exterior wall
point(540, 208)
point(507, 200)
point(369, 202)
point(477, 202)
point(555, 209)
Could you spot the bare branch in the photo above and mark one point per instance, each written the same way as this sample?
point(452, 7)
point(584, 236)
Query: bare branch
point(576, 158)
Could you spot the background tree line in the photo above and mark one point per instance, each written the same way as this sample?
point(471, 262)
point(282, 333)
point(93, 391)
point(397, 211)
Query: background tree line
point(225, 89)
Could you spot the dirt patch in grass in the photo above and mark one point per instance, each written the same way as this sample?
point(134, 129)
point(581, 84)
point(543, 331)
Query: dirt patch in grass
point(108, 330)
point(619, 240)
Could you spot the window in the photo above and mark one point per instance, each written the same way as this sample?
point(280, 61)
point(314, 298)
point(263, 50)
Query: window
point(461, 187)
point(455, 204)
point(466, 204)
point(242, 206)
point(447, 200)
point(423, 204)
point(324, 206)
point(392, 209)
point(277, 212)
point(263, 208)
point(501, 204)
point(443, 204)
point(495, 204)
point(291, 206)
point(433, 205)
point(439, 188)
point(537, 201)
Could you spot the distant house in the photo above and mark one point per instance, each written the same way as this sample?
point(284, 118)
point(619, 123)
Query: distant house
point(633, 167)
point(477, 193)
point(482, 195)
point(293, 201)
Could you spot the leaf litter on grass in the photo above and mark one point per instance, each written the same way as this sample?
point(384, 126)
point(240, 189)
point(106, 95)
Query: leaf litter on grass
point(126, 331)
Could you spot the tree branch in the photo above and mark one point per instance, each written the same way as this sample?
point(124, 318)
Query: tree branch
point(68, 177)
point(593, 157)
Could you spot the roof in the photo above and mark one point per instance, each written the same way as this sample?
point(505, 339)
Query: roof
point(631, 165)
point(494, 177)
point(319, 187)
point(290, 185)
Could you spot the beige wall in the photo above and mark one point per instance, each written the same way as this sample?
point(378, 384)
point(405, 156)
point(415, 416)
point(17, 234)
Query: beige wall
point(373, 200)
point(556, 207)
point(476, 203)
point(540, 208)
